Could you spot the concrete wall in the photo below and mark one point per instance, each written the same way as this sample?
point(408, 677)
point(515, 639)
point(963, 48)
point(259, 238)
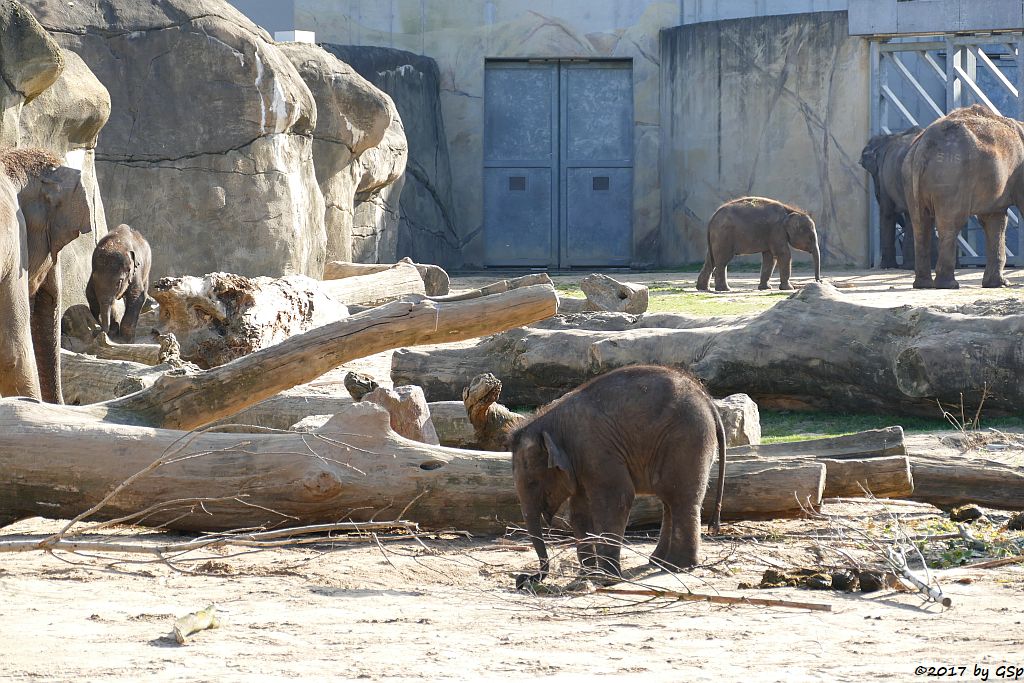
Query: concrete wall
point(696, 11)
point(462, 35)
point(773, 106)
point(273, 15)
point(934, 16)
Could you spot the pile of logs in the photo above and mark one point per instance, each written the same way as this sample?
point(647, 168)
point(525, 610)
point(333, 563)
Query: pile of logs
point(60, 460)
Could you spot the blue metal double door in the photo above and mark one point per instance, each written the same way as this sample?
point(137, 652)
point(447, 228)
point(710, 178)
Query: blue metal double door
point(558, 163)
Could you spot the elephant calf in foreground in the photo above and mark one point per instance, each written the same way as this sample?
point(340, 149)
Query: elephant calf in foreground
point(120, 270)
point(640, 429)
point(749, 225)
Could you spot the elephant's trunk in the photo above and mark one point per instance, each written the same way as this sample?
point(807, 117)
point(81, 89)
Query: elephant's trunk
point(536, 531)
point(816, 258)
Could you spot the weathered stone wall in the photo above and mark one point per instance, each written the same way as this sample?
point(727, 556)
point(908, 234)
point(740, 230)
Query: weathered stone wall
point(461, 35)
point(771, 106)
point(427, 230)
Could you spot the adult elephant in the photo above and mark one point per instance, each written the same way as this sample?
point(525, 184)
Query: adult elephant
point(969, 162)
point(883, 159)
point(18, 373)
point(56, 211)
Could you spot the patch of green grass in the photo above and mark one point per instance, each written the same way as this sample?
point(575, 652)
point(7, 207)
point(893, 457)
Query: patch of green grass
point(785, 427)
point(677, 300)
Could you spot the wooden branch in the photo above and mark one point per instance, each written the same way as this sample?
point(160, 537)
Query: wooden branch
point(814, 350)
point(186, 402)
point(719, 599)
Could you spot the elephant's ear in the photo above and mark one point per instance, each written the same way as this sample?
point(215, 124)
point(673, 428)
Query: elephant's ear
point(558, 459)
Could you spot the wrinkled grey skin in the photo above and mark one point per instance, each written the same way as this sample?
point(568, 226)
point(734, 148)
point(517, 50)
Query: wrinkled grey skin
point(883, 159)
point(749, 225)
point(640, 429)
point(969, 162)
point(18, 373)
point(120, 270)
point(56, 211)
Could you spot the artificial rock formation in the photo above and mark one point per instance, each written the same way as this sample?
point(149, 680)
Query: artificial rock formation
point(427, 228)
point(207, 151)
point(358, 148)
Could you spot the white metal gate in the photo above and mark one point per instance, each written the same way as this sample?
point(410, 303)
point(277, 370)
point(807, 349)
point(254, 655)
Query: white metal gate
point(917, 80)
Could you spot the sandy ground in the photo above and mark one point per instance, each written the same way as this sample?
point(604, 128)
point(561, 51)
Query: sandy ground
point(447, 609)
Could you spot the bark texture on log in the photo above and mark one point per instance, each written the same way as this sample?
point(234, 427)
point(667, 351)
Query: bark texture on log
point(492, 422)
point(605, 293)
point(435, 279)
point(410, 416)
point(812, 351)
point(498, 287)
point(186, 402)
point(220, 317)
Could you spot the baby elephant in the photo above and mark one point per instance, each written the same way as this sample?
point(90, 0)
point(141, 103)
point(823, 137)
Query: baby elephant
point(754, 224)
point(120, 270)
point(639, 429)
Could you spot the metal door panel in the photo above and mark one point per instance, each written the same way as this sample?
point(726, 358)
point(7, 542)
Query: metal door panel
point(596, 164)
point(518, 218)
point(520, 162)
point(598, 211)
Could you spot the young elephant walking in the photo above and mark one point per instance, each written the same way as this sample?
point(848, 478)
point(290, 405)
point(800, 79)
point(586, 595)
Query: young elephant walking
point(749, 225)
point(640, 429)
point(120, 270)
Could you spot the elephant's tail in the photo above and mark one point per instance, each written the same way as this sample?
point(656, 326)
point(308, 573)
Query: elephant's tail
point(716, 518)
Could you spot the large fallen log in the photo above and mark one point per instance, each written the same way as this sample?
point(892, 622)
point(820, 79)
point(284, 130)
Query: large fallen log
point(812, 351)
point(189, 401)
point(387, 284)
point(59, 461)
point(435, 280)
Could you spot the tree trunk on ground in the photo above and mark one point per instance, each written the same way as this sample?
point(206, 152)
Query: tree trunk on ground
point(186, 402)
point(498, 287)
point(59, 461)
point(435, 280)
point(608, 294)
point(388, 284)
point(812, 351)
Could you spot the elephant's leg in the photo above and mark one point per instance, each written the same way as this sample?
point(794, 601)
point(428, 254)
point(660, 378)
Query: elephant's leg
point(583, 530)
point(923, 221)
point(610, 515)
point(995, 249)
point(133, 303)
point(887, 234)
point(704, 278)
point(663, 538)
point(722, 273)
point(948, 227)
point(684, 534)
point(18, 373)
point(767, 268)
point(785, 259)
point(908, 241)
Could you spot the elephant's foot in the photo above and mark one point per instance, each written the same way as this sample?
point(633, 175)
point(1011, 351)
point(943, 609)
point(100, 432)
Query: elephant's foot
point(786, 287)
point(703, 288)
point(948, 282)
point(924, 282)
point(993, 282)
point(888, 263)
point(727, 288)
point(764, 285)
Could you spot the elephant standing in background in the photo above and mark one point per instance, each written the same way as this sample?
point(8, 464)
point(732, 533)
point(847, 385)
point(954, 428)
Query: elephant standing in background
point(56, 211)
point(883, 159)
point(638, 429)
point(18, 373)
point(969, 162)
point(749, 225)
